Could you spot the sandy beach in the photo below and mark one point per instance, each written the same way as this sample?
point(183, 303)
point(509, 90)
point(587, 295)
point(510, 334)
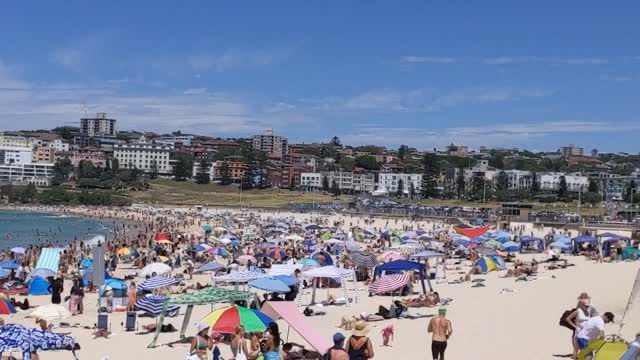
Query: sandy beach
point(505, 319)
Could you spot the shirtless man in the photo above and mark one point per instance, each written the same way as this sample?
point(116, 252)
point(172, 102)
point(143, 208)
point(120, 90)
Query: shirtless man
point(441, 328)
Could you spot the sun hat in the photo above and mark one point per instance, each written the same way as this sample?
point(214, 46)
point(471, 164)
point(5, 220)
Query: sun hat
point(361, 328)
point(584, 296)
point(202, 326)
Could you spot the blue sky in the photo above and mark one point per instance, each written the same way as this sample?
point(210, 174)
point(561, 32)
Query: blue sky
point(533, 75)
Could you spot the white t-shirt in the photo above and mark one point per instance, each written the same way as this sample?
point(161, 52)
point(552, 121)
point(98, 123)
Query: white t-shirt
point(591, 328)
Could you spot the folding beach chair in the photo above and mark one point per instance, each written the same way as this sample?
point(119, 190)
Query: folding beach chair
point(103, 322)
point(131, 323)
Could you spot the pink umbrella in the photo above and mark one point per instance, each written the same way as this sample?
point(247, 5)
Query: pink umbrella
point(244, 259)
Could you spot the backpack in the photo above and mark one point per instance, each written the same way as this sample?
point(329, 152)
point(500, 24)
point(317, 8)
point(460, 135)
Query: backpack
point(563, 319)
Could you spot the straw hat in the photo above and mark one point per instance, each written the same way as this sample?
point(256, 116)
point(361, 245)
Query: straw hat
point(584, 296)
point(361, 328)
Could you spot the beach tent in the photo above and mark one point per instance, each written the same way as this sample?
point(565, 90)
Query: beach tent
point(531, 244)
point(510, 246)
point(38, 286)
point(330, 272)
point(611, 348)
point(288, 311)
point(488, 264)
point(322, 257)
point(398, 266)
point(284, 269)
point(577, 241)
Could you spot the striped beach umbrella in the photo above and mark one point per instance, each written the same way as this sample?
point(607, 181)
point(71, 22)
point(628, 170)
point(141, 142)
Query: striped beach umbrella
point(226, 320)
point(202, 247)
point(161, 236)
point(157, 283)
point(389, 283)
point(51, 312)
point(124, 252)
point(152, 305)
point(219, 251)
point(363, 259)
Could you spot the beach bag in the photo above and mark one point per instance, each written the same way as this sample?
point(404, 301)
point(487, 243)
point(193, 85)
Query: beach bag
point(563, 319)
point(239, 354)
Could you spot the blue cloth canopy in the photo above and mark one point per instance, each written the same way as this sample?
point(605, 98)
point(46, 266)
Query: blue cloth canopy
point(9, 265)
point(402, 265)
point(584, 239)
point(270, 285)
point(510, 246)
point(152, 305)
point(559, 245)
point(27, 340)
point(210, 266)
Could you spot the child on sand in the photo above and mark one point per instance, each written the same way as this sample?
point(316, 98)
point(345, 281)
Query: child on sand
point(387, 335)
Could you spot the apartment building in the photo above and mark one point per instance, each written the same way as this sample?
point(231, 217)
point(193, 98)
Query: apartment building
point(142, 155)
point(271, 144)
point(22, 174)
point(98, 126)
point(575, 182)
point(391, 182)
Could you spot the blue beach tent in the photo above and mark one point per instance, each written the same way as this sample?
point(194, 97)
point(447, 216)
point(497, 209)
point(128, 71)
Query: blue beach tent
point(38, 286)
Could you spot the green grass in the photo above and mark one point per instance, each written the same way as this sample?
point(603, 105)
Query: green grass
point(164, 191)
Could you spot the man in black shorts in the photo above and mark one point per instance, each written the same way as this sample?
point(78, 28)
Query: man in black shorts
point(441, 329)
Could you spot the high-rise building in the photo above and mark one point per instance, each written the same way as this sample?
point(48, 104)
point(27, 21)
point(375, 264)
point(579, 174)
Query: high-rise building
point(143, 156)
point(571, 150)
point(98, 126)
point(271, 144)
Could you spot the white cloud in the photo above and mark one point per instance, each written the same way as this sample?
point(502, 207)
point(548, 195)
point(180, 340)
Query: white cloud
point(617, 78)
point(76, 55)
point(69, 58)
point(195, 91)
point(505, 60)
point(428, 59)
point(234, 58)
point(514, 134)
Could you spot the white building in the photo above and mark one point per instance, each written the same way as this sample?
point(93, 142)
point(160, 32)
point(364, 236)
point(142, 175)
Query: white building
point(142, 155)
point(390, 182)
point(481, 168)
point(98, 126)
point(37, 174)
point(185, 139)
point(271, 144)
point(575, 182)
point(15, 156)
point(14, 141)
point(519, 179)
point(311, 180)
point(571, 150)
point(58, 145)
point(211, 169)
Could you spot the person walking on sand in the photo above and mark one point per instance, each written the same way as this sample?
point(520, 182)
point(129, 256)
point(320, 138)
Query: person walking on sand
point(441, 329)
point(592, 329)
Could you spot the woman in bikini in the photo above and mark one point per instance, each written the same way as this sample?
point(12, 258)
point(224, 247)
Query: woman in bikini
point(201, 342)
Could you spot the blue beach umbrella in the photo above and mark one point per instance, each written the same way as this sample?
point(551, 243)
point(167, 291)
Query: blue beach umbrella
point(510, 246)
point(210, 266)
point(9, 265)
point(270, 285)
point(287, 280)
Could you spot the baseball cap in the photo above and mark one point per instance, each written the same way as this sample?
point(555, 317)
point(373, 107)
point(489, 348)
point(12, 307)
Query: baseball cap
point(338, 337)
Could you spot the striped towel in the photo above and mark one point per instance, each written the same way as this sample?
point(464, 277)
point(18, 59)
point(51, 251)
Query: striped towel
point(49, 259)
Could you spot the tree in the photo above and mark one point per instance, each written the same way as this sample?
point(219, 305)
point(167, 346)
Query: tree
point(335, 141)
point(430, 173)
point(115, 166)
point(202, 173)
point(593, 186)
point(400, 191)
point(325, 184)
point(631, 191)
point(460, 183)
point(183, 168)
point(347, 164)
point(327, 151)
point(594, 152)
point(61, 171)
point(225, 174)
point(562, 188)
point(591, 198)
point(335, 189)
point(402, 152)
point(86, 169)
point(502, 181)
point(478, 190)
point(367, 162)
point(153, 169)
point(535, 186)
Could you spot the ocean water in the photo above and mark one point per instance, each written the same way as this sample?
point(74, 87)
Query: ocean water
point(20, 228)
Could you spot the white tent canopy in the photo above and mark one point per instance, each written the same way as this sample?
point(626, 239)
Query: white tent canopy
point(328, 272)
point(283, 269)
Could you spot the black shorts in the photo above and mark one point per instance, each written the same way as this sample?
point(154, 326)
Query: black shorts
point(438, 348)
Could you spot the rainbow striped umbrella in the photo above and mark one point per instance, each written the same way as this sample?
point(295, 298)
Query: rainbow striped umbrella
point(218, 251)
point(226, 320)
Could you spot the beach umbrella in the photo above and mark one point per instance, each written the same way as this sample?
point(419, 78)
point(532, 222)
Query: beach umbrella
point(287, 280)
point(277, 254)
point(18, 250)
point(219, 229)
point(207, 228)
point(42, 273)
point(510, 246)
point(124, 252)
point(213, 239)
point(161, 236)
point(559, 245)
point(244, 259)
point(241, 276)
point(270, 285)
point(334, 242)
point(389, 283)
point(219, 251)
point(166, 242)
point(3, 274)
point(153, 304)
point(494, 244)
point(311, 227)
point(363, 259)
point(326, 236)
point(202, 247)
point(390, 256)
point(210, 266)
point(352, 245)
point(154, 269)
point(322, 257)
point(486, 251)
point(28, 340)
point(308, 243)
point(9, 265)
point(51, 312)
point(308, 262)
point(227, 319)
point(6, 307)
point(156, 283)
